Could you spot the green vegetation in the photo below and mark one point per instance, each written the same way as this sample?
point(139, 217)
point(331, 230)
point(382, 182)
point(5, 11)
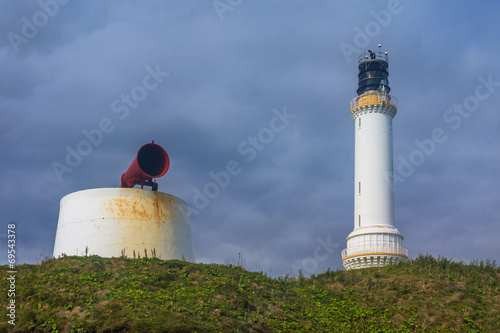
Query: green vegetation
point(93, 294)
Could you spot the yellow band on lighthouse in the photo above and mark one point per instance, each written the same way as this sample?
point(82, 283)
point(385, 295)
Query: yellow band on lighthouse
point(373, 98)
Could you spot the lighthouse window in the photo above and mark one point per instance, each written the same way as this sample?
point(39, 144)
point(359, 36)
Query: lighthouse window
point(359, 187)
point(359, 122)
point(359, 220)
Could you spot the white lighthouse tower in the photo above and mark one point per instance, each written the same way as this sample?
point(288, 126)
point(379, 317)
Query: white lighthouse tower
point(375, 241)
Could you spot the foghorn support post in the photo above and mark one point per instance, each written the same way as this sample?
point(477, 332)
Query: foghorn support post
point(151, 162)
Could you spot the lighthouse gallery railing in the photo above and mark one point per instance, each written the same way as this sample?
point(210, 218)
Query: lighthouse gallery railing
point(373, 97)
point(377, 248)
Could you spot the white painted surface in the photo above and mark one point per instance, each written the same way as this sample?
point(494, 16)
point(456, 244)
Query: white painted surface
point(374, 241)
point(374, 199)
point(111, 221)
point(372, 260)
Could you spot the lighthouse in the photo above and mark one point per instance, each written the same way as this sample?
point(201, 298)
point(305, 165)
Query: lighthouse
point(375, 241)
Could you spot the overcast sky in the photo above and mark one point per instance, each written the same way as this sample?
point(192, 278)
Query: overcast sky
point(265, 84)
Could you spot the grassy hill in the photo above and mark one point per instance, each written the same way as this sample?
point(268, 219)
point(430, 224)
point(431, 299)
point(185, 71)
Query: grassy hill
point(93, 294)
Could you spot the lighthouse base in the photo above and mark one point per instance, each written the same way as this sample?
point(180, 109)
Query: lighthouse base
point(372, 260)
point(374, 246)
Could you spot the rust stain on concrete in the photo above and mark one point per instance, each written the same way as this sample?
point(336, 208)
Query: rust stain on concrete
point(140, 208)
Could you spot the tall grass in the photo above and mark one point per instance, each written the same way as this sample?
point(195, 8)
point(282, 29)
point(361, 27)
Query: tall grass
point(92, 294)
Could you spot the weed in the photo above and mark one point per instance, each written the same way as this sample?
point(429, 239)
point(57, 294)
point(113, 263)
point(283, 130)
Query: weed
point(92, 294)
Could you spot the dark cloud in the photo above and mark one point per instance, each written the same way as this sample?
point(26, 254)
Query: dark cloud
point(225, 78)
